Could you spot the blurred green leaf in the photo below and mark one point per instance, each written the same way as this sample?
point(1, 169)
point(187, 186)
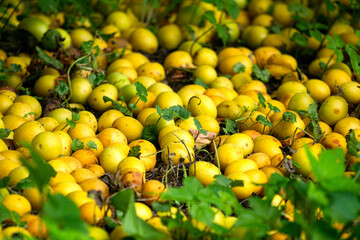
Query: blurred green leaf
point(48, 60)
point(15, 68)
point(222, 33)
point(210, 16)
point(40, 171)
point(62, 218)
point(4, 182)
point(200, 83)
point(262, 75)
point(300, 39)
point(4, 133)
point(203, 213)
point(353, 145)
point(239, 68)
point(344, 207)
point(232, 8)
point(25, 184)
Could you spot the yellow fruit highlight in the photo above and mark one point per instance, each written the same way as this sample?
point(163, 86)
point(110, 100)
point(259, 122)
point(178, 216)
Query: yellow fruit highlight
point(17, 203)
point(245, 191)
point(204, 172)
point(110, 159)
point(48, 145)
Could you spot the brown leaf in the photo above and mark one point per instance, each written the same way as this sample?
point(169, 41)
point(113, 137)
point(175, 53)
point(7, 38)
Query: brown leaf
point(202, 140)
point(49, 105)
point(97, 196)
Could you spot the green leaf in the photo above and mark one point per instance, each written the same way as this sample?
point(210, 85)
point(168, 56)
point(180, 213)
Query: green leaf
point(133, 225)
point(276, 182)
point(333, 159)
point(49, 6)
point(122, 200)
point(203, 213)
point(262, 75)
point(15, 68)
point(230, 127)
point(190, 31)
point(353, 145)
point(239, 68)
point(62, 89)
point(135, 152)
point(322, 65)
point(316, 34)
point(51, 40)
point(275, 28)
point(28, 114)
point(92, 144)
point(200, 83)
point(40, 171)
point(299, 9)
point(4, 77)
point(25, 184)
point(313, 114)
point(352, 52)
point(316, 195)
point(263, 120)
point(275, 109)
point(236, 183)
point(166, 113)
point(74, 117)
point(344, 207)
point(199, 127)
point(96, 79)
point(210, 16)
point(300, 39)
point(191, 186)
point(338, 41)
point(222, 180)
point(4, 133)
point(262, 100)
point(232, 8)
point(291, 228)
point(4, 213)
point(320, 230)
point(141, 91)
point(180, 111)
point(86, 47)
point(48, 60)
point(263, 209)
point(289, 117)
point(4, 182)
point(161, 206)
point(222, 33)
point(330, 6)
point(76, 144)
point(118, 106)
point(149, 133)
point(62, 218)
